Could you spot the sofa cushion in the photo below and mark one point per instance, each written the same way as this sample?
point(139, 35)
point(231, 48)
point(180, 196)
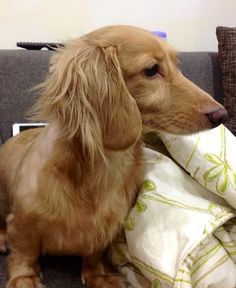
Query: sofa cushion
point(227, 58)
point(20, 70)
point(203, 69)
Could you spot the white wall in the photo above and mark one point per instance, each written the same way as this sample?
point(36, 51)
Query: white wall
point(190, 24)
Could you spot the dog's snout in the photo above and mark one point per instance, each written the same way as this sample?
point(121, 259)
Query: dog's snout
point(217, 117)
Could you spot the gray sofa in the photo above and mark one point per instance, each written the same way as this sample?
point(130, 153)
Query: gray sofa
point(20, 70)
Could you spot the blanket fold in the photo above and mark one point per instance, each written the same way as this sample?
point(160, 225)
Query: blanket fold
point(179, 234)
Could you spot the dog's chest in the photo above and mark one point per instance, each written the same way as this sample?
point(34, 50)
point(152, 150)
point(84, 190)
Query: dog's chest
point(85, 231)
point(89, 223)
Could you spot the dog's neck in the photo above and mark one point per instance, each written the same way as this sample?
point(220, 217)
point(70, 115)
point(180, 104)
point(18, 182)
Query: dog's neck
point(57, 145)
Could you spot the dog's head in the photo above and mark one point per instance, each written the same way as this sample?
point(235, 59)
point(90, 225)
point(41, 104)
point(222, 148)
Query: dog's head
point(107, 85)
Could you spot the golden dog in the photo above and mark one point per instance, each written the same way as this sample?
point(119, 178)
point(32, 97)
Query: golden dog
point(67, 188)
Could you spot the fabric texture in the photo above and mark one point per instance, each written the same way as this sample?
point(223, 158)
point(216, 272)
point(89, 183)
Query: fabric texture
point(179, 234)
point(227, 59)
point(213, 166)
point(203, 69)
point(20, 71)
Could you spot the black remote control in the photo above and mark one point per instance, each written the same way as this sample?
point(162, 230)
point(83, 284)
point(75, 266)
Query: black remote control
point(39, 45)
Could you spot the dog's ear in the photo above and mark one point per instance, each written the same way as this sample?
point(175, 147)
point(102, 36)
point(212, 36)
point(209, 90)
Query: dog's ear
point(86, 93)
point(121, 119)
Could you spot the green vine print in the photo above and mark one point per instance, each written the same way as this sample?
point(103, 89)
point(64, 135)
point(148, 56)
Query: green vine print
point(129, 223)
point(221, 170)
point(192, 154)
point(156, 284)
point(148, 186)
point(140, 205)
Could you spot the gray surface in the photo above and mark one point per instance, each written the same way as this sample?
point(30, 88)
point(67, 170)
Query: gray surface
point(203, 69)
point(20, 70)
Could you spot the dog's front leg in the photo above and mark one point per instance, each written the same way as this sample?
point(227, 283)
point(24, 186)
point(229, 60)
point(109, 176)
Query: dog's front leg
point(98, 273)
point(23, 268)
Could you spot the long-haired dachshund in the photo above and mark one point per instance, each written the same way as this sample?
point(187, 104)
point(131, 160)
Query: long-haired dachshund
point(67, 188)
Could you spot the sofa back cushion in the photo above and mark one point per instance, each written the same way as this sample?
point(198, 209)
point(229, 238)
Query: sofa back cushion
point(20, 70)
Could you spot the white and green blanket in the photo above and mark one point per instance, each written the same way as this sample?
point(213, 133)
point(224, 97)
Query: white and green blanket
point(181, 233)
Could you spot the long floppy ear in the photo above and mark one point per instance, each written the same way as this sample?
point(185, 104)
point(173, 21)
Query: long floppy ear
point(120, 115)
point(86, 93)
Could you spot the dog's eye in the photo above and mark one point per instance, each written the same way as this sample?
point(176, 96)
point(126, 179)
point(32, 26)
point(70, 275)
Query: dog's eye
point(152, 71)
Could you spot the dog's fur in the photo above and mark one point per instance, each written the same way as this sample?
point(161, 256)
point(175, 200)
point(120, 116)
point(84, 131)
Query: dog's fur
point(67, 188)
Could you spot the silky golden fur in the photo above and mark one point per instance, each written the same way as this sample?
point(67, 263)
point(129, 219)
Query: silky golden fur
point(67, 188)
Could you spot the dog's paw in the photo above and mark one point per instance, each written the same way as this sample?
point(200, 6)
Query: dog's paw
point(25, 282)
point(107, 281)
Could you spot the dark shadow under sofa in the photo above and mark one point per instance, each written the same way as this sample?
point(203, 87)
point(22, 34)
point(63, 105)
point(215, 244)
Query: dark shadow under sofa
point(20, 70)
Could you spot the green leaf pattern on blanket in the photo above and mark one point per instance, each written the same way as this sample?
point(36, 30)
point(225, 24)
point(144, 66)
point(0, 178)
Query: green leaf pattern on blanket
point(140, 206)
point(129, 223)
point(148, 185)
point(221, 172)
point(156, 284)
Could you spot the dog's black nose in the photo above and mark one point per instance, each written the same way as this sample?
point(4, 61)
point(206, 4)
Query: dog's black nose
point(218, 117)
